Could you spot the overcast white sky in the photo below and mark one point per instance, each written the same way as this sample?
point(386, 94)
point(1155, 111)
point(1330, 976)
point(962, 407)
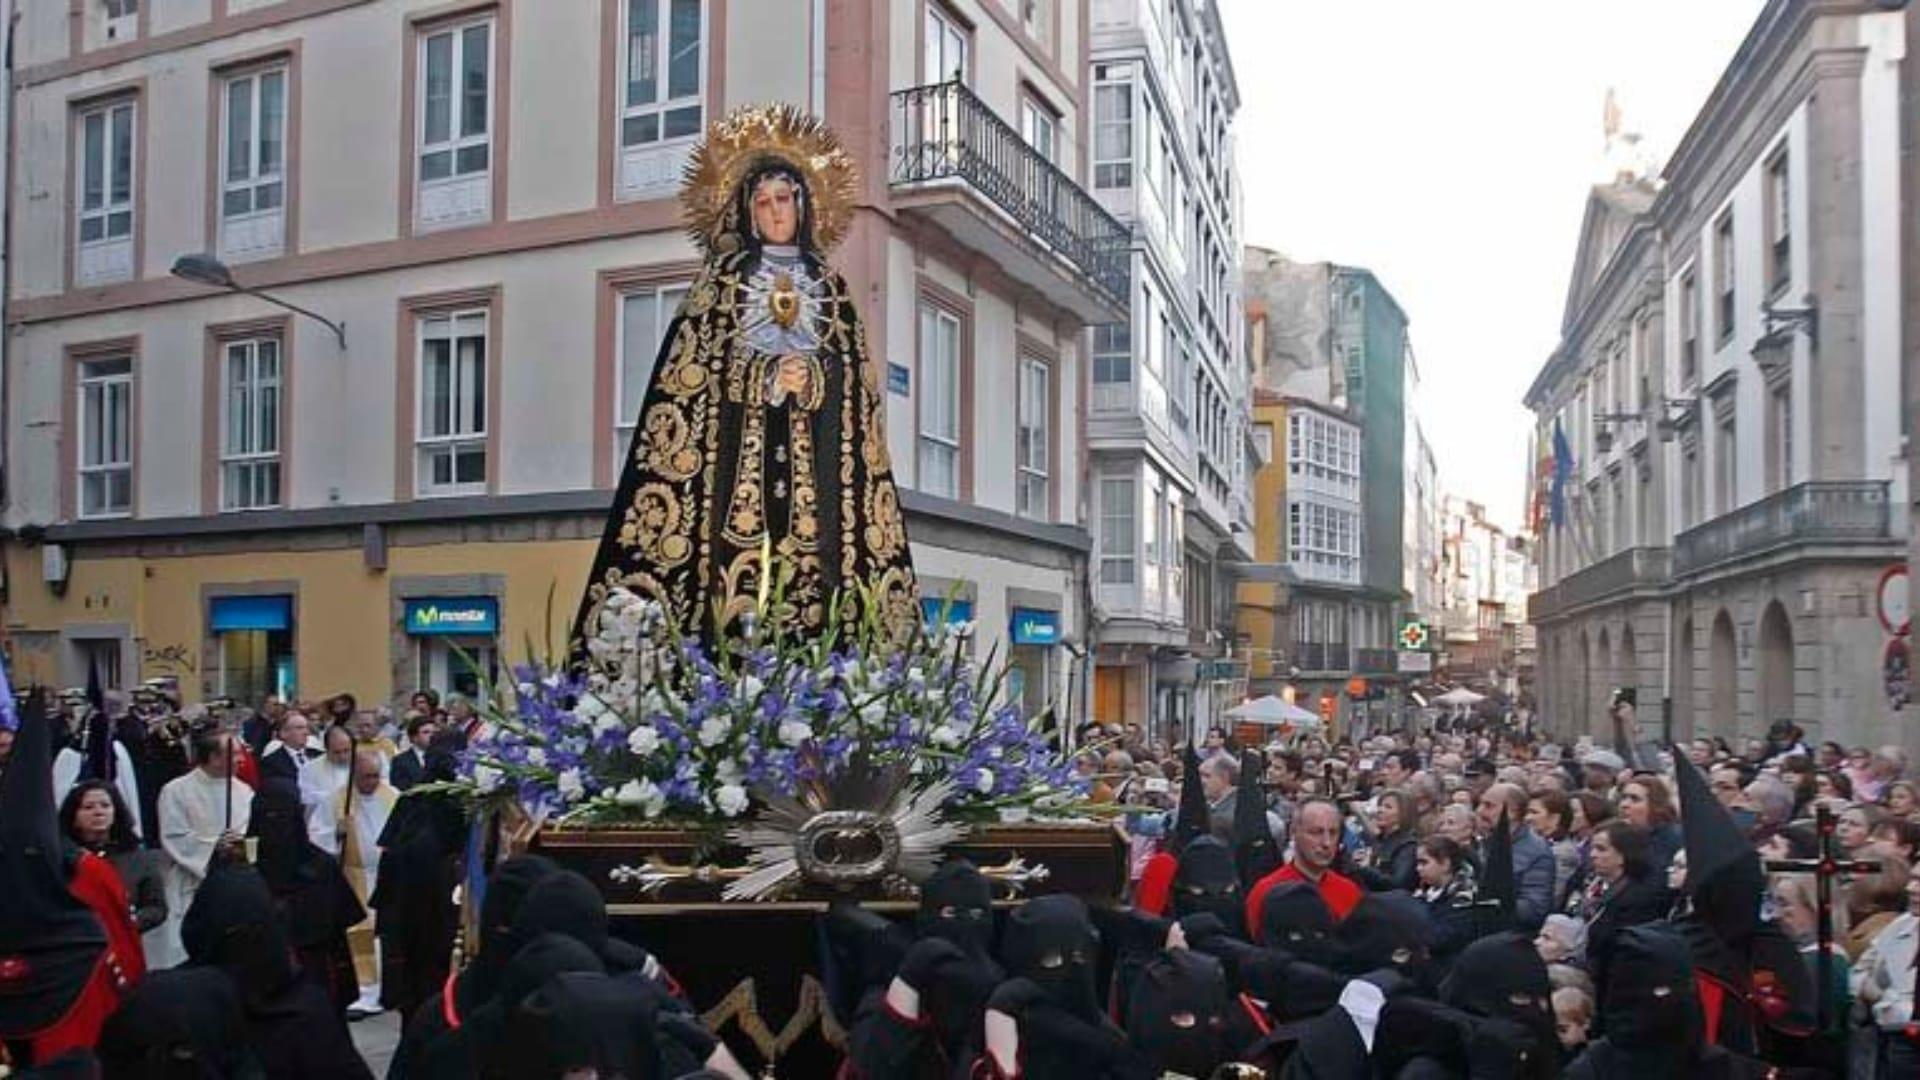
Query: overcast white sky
point(1449, 147)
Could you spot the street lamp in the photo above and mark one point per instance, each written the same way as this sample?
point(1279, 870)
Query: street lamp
point(207, 270)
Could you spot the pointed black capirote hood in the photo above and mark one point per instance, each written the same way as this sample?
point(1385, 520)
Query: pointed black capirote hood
point(1254, 853)
point(49, 941)
point(1724, 877)
point(1498, 882)
point(96, 746)
point(1191, 821)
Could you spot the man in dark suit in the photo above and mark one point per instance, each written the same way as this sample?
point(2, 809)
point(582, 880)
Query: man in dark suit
point(410, 765)
point(291, 749)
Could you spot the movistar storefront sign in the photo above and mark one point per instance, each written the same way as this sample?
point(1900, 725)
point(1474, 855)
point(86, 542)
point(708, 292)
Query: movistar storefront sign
point(454, 615)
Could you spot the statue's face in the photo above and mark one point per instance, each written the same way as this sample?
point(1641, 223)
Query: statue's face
point(776, 210)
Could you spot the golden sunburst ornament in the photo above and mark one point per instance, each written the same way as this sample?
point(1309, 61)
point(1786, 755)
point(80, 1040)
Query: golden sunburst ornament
point(755, 135)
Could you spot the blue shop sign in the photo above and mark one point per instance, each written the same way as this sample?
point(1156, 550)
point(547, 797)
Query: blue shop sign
point(453, 615)
point(1032, 627)
point(956, 610)
point(234, 614)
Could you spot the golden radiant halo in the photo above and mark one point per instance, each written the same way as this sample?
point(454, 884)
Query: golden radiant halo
point(754, 135)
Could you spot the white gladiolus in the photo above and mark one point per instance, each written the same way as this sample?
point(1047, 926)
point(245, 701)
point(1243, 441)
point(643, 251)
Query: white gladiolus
point(713, 731)
point(486, 778)
point(643, 740)
point(731, 799)
point(571, 788)
point(729, 772)
point(984, 782)
point(795, 732)
point(536, 757)
point(749, 688)
point(945, 737)
point(873, 712)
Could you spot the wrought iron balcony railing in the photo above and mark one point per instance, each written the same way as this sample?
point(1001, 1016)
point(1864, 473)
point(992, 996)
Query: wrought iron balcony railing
point(943, 131)
point(1818, 511)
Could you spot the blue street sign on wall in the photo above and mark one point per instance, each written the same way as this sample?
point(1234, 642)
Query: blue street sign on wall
point(898, 379)
point(957, 610)
point(1032, 627)
point(453, 615)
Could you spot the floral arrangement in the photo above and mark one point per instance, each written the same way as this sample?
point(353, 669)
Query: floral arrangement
point(661, 728)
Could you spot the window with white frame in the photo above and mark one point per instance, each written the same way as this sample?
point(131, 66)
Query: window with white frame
point(1723, 279)
point(105, 161)
point(644, 316)
point(939, 401)
point(665, 63)
point(105, 417)
point(453, 403)
point(253, 164)
point(456, 124)
point(250, 432)
point(1113, 366)
point(1323, 540)
point(1119, 512)
point(120, 20)
point(1036, 17)
point(1031, 439)
point(1039, 127)
point(1112, 127)
point(946, 47)
point(1322, 449)
point(1779, 225)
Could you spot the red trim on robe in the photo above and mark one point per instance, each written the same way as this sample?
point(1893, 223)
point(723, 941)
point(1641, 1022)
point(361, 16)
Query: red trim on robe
point(95, 883)
point(1712, 998)
point(1155, 891)
point(79, 1028)
point(1339, 892)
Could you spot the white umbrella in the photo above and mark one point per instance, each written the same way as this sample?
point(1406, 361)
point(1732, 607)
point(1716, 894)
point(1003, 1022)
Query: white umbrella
point(1458, 696)
point(1274, 710)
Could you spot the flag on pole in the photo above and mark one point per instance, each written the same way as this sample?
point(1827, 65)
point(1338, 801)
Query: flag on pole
point(1562, 472)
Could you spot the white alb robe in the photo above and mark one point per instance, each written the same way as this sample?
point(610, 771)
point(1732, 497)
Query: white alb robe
point(193, 814)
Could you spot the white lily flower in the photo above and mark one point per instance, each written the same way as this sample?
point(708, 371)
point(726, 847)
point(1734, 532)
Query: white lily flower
point(570, 786)
point(536, 757)
point(642, 793)
point(713, 731)
point(731, 799)
point(486, 778)
point(984, 782)
point(795, 732)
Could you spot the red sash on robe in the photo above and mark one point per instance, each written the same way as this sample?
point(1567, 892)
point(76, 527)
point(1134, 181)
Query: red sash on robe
point(93, 881)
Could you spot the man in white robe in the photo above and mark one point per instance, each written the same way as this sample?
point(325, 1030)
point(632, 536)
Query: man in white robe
point(323, 777)
point(204, 811)
point(348, 825)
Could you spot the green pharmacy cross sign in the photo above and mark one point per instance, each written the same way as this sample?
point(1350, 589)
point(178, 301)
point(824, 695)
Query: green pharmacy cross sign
point(1414, 636)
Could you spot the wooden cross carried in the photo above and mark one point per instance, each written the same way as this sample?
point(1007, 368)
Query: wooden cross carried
point(1825, 866)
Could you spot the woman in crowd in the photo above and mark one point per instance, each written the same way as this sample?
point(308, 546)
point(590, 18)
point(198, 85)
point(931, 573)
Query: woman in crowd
point(1902, 798)
point(1647, 803)
point(1795, 905)
point(1626, 891)
point(1550, 816)
point(95, 819)
point(1874, 899)
point(1856, 825)
point(1832, 784)
point(1395, 845)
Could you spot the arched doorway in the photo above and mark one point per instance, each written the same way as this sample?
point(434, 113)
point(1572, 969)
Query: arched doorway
point(1775, 666)
point(1723, 674)
point(1683, 680)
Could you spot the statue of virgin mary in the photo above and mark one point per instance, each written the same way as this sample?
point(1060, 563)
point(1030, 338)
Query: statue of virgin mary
point(759, 443)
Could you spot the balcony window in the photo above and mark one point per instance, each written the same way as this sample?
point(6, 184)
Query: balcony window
point(455, 125)
point(1040, 127)
point(946, 46)
point(663, 106)
point(253, 165)
point(105, 412)
point(250, 438)
point(1119, 512)
point(106, 163)
point(1689, 329)
point(1725, 471)
point(1112, 130)
point(939, 401)
point(1780, 438)
point(1035, 408)
point(453, 403)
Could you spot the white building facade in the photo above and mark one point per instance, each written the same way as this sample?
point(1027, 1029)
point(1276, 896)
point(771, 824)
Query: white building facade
point(1727, 395)
point(1168, 434)
point(484, 195)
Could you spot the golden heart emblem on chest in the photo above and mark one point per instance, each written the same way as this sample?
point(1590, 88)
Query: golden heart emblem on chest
point(783, 302)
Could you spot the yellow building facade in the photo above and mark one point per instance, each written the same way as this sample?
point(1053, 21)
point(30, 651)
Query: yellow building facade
point(1261, 596)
